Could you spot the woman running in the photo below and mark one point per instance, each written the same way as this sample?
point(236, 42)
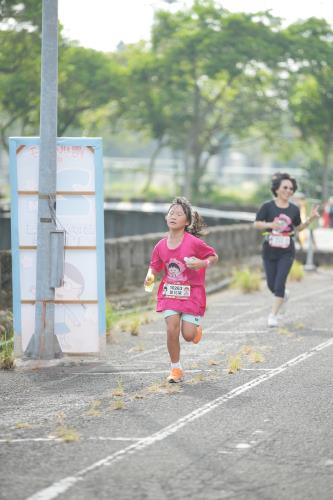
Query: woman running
point(279, 219)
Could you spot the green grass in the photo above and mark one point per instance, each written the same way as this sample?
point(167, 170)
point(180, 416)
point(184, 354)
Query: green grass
point(125, 321)
point(296, 271)
point(246, 280)
point(7, 361)
point(67, 434)
point(234, 364)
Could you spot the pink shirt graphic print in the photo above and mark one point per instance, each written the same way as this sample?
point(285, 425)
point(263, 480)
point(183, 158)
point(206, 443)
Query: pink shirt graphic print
point(178, 277)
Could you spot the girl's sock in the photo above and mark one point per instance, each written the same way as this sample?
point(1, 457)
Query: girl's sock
point(176, 365)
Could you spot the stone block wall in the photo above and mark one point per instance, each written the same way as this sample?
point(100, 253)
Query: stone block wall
point(5, 279)
point(127, 258)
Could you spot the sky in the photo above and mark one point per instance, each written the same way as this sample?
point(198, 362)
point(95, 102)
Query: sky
point(102, 24)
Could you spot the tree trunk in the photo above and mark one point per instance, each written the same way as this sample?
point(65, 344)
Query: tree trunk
point(151, 166)
point(326, 171)
point(196, 175)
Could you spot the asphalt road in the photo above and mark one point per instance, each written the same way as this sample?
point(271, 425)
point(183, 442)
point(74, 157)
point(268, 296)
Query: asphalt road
point(264, 432)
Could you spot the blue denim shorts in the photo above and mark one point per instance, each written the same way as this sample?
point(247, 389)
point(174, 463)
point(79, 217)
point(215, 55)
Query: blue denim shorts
point(190, 318)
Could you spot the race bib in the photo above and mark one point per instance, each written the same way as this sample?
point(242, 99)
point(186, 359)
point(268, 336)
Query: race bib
point(176, 291)
point(278, 241)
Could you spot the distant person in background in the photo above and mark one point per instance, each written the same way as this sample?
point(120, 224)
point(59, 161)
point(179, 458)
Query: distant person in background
point(330, 211)
point(279, 219)
point(326, 217)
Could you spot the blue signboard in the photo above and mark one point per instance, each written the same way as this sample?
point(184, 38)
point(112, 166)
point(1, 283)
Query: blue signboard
point(80, 302)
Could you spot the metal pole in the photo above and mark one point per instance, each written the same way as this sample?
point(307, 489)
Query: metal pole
point(44, 344)
point(309, 264)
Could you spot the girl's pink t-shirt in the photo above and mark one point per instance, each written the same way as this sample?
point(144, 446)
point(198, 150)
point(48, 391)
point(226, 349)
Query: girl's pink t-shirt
point(171, 261)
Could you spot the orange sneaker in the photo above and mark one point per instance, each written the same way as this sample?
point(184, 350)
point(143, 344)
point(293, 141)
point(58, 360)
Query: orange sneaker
point(176, 375)
point(198, 335)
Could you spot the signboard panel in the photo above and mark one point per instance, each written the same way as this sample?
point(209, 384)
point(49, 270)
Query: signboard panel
point(80, 302)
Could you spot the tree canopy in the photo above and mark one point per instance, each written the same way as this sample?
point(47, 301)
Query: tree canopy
point(206, 78)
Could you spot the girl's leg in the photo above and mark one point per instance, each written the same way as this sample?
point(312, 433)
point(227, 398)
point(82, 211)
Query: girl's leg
point(189, 331)
point(173, 331)
point(283, 267)
point(191, 328)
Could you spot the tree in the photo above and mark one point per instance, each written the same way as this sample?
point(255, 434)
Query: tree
point(144, 103)
point(21, 14)
point(217, 78)
point(88, 80)
point(19, 64)
point(19, 82)
point(311, 92)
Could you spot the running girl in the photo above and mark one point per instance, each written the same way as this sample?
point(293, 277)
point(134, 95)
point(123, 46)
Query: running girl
point(181, 295)
point(279, 218)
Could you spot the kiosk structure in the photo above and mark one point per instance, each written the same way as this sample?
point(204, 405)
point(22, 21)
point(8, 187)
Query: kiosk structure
point(79, 318)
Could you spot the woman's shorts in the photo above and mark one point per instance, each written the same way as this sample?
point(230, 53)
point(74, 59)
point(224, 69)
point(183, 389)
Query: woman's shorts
point(190, 318)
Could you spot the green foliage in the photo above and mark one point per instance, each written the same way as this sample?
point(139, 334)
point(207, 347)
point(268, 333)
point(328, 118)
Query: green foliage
point(296, 271)
point(7, 361)
point(26, 13)
point(158, 193)
point(311, 92)
point(125, 320)
point(207, 78)
point(111, 316)
point(246, 280)
point(88, 80)
point(239, 196)
point(191, 94)
point(19, 81)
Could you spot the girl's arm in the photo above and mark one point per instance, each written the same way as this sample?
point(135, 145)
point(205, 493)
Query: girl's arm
point(150, 277)
point(196, 264)
point(155, 266)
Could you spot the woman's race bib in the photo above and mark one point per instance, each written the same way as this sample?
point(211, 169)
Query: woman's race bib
point(176, 291)
point(279, 240)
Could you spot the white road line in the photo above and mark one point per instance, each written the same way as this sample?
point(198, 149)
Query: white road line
point(257, 369)
point(55, 439)
point(139, 372)
point(252, 332)
point(314, 329)
point(231, 304)
point(109, 438)
point(30, 440)
point(156, 332)
point(143, 353)
point(63, 485)
point(159, 372)
point(209, 329)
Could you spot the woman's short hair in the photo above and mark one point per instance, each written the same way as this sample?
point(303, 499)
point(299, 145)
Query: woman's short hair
point(278, 178)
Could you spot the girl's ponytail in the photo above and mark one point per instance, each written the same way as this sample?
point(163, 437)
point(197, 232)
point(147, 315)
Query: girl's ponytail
point(197, 227)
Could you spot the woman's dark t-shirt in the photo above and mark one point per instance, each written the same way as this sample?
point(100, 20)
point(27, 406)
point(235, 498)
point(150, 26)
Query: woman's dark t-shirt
point(288, 218)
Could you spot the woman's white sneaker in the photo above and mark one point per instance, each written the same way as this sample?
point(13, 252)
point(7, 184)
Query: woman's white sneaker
point(272, 320)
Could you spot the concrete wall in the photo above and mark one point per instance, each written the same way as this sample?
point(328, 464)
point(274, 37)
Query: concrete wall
point(138, 220)
point(5, 243)
point(127, 258)
point(5, 279)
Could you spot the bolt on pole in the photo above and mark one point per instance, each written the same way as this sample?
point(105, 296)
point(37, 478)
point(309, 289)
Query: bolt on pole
point(44, 343)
